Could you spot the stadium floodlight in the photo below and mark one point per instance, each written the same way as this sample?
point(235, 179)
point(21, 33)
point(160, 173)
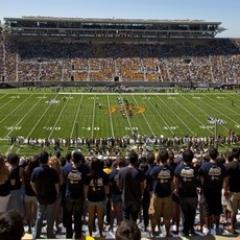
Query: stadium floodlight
point(215, 121)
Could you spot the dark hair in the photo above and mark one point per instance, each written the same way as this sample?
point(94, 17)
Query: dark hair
point(150, 157)
point(170, 155)
point(68, 156)
point(230, 156)
point(187, 156)
point(11, 226)
point(162, 156)
point(213, 153)
point(13, 159)
point(43, 157)
point(236, 153)
point(96, 165)
point(133, 157)
point(128, 230)
point(32, 163)
point(77, 157)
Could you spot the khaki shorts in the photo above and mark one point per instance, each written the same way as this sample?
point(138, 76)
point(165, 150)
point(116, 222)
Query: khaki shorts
point(234, 200)
point(161, 207)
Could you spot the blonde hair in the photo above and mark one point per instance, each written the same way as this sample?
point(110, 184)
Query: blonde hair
point(54, 163)
point(4, 172)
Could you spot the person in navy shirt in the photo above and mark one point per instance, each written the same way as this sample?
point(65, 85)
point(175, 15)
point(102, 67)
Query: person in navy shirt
point(161, 201)
point(186, 189)
point(212, 174)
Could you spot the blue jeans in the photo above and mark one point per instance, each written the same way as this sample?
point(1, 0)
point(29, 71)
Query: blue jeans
point(49, 212)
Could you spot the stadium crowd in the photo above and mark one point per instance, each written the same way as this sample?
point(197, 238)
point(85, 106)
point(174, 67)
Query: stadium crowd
point(163, 190)
point(216, 62)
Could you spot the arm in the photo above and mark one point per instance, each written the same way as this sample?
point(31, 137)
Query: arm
point(33, 185)
point(57, 188)
point(86, 187)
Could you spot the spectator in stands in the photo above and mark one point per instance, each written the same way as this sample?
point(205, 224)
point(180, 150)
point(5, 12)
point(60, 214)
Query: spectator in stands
point(115, 193)
point(212, 175)
point(11, 226)
point(232, 186)
point(161, 202)
point(128, 230)
point(96, 190)
point(173, 162)
point(54, 162)
point(30, 199)
point(4, 185)
point(150, 161)
point(131, 183)
point(186, 191)
point(41, 177)
point(74, 199)
point(16, 179)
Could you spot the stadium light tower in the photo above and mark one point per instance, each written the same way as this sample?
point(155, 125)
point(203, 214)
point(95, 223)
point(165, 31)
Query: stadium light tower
point(216, 122)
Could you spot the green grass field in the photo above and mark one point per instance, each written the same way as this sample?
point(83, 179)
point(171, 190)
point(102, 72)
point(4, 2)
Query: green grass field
point(29, 114)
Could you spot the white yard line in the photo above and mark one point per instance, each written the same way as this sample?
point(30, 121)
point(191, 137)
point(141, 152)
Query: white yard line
point(58, 118)
point(15, 109)
point(110, 117)
point(204, 112)
point(223, 113)
point(39, 120)
point(176, 115)
point(25, 115)
point(76, 116)
point(125, 110)
point(6, 103)
point(158, 113)
point(93, 119)
point(4, 95)
point(194, 117)
point(144, 117)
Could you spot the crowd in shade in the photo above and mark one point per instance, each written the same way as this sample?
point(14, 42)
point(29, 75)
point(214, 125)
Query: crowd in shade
point(212, 62)
point(169, 193)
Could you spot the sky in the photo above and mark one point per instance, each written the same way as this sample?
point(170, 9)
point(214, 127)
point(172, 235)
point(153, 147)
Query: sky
point(225, 11)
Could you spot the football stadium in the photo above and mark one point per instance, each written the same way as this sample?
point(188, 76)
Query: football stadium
point(117, 128)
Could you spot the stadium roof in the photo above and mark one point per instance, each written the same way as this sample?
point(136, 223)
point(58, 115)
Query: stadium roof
point(114, 20)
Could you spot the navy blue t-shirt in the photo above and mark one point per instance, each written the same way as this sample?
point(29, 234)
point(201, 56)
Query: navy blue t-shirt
point(149, 180)
point(130, 179)
point(162, 180)
point(75, 180)
point(188, 182)
point(212, 174)
point(233, 173)
point(45, 179)
point(113, 179)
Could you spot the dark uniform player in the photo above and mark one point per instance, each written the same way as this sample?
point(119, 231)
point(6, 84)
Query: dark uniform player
point(212, 174)
point(232, 186)
point(161, 202)
point(186, 190)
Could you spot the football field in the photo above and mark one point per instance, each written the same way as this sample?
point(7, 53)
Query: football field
point(40, 114)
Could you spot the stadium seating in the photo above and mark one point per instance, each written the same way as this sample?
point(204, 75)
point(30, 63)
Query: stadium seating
point(217, 62)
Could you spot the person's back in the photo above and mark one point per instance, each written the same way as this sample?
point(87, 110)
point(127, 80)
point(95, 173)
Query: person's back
point(45, 184)
point(45, 179)
point(131, 179)
point(131, 185)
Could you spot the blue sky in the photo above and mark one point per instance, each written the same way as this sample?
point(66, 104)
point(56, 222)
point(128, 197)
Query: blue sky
point(226, 11)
